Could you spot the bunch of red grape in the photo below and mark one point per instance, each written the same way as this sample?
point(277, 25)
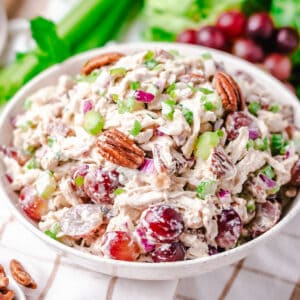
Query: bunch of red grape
point(255, 39)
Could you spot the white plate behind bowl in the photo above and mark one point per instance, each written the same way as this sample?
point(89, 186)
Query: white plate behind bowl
point(150, 271)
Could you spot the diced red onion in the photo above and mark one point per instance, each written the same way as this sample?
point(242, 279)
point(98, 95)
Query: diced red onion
point(148, 166)
point(253, 133)
point(267, 181)
point(147, 245)
point(87, 106)
point(224, 195)
point(143, 96)
point(157, 132)
point(9, 178)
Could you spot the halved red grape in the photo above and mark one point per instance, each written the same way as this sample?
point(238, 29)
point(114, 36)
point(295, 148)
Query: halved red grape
point(229, 228)
point(169, 253)
point(235, 121)
point(295, 174)
point(81, 220)
point(211, 36)
point(260, 26)
point(287, 39)
point(267, 215)
point(33, 206)
point(232, 23)
point(163, 223)
point(119, 245)
point(188, 36)
point(278, 65)
point(248, 49)
point(99, 185)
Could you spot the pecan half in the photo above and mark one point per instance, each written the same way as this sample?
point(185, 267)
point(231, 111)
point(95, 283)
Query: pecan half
point(7, 295)
point(99, 61)
point(119, 149)
point(4, 281)
point(229, 92)
point(221, 164)
point(20, 275)
point(192, 77)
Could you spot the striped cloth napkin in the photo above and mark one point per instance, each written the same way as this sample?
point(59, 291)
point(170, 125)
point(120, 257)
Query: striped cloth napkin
point(271, 272)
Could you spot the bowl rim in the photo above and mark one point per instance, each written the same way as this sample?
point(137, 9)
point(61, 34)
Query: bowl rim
point(144, 265)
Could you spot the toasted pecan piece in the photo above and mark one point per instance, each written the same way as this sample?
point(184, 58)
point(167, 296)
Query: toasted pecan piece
point(229, 92)
point(99, 61)
point(119, 149)
point(7, 295)
point(4, 281)
point(20, 275)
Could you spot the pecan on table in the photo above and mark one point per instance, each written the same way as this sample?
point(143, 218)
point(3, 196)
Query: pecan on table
point(20, 275)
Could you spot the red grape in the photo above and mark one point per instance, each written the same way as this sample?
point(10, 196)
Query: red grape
point(229, 228)
point(188, 36)
point(232, 23)
point(119, 245)
point(260, 26)
point(247, 49)
point(163, 223)
point(267, 215)
point(33, 206)
point(99, 185)
point(235, 121)
point(169, 253)
point(211, 36)
point(295, 174)
point(278, 65)
point(287, 39)
point(82, 220)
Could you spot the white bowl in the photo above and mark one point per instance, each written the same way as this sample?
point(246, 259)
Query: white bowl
point(137, 270)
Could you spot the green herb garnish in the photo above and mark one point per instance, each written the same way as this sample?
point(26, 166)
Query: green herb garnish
point(136, 128)
point(209, 106)
point(168, 109)
point(277, 144)
point(135, 85)
point(205, 91)
point(274, 108)
point(268, 171)
point(206, 188)
point(54, 231)
point(188, 115)
point(119, 191)
point(254, 107)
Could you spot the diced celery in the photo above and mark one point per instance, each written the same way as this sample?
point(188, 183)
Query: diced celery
point(206, 142)
point(45, 185)
point(206, 188)
point(93, 122)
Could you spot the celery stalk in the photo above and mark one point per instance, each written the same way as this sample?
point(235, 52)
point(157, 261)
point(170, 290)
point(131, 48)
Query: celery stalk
point(111, 24)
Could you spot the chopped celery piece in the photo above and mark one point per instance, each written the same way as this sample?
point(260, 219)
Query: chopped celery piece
point(209, 106)
point(79, 181)
point(274, 108)
point(118, 72)
point(206, 142)
point(171, 90)
point(205, 91)
point(45, 185)
point(188, 115)
point(53, 231)
point(277, 144)
point(250, 206)
point(93, 122)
